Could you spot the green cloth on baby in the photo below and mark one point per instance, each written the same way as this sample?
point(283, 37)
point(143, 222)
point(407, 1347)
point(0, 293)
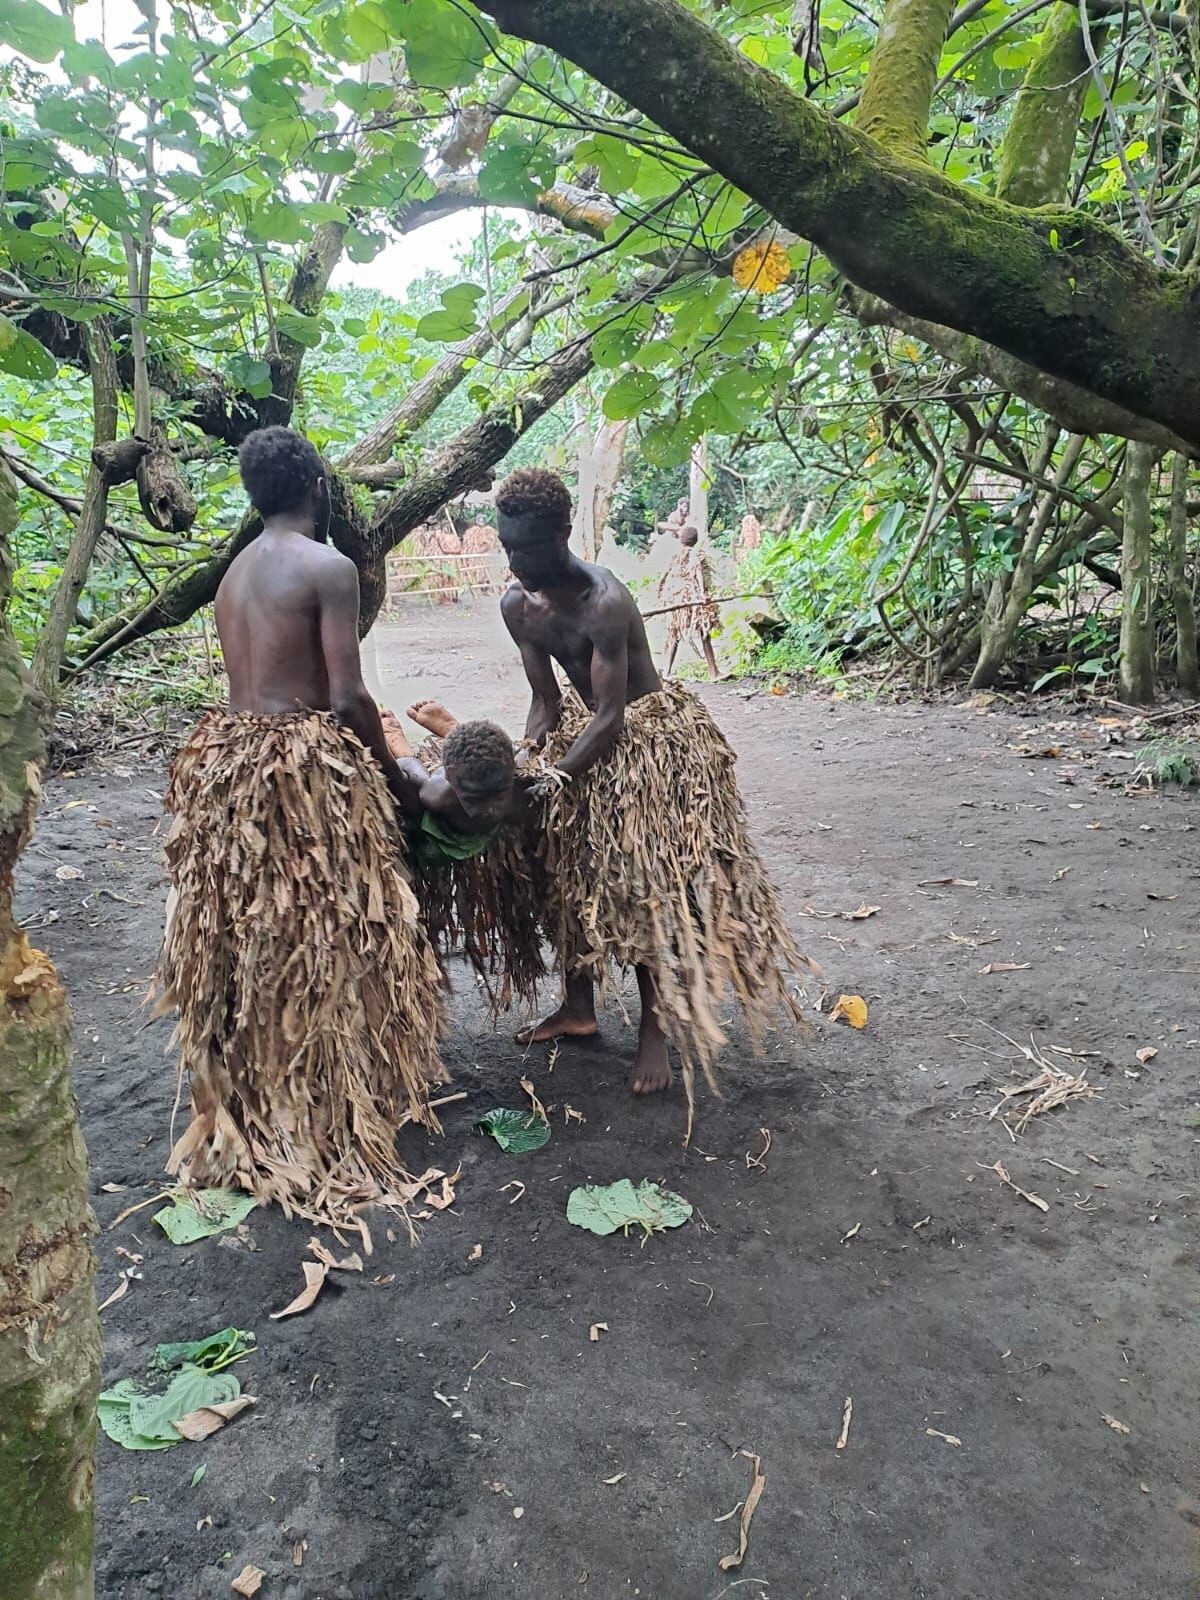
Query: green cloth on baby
point(432, 843)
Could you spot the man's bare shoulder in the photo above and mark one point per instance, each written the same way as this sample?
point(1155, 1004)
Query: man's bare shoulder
point(512, 605)
point(612, 601)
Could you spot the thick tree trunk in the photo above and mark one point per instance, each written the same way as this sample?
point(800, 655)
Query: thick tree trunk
point(1035, 159)
point(93, 514)
point(49, 1331)
point(698, 488)
point(599, 466)
point(1055, 287)
point(899, 89)
point(1137, 585)
point(1187, 667)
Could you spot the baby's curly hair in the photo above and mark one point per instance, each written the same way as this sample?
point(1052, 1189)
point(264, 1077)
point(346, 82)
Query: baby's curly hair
point(538, 499)
point(279, 468)
point(478, 757)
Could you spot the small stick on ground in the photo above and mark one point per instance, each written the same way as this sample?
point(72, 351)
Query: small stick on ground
point(1034, 1199)
point(847, 1413)
point(759, 1160)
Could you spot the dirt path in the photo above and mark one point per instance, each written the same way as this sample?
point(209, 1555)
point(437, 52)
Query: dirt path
point(402, 1426)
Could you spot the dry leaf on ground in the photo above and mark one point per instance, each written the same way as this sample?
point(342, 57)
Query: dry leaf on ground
point(852, 1008)
point(847, 1413)
point(1117, 1427)
point(211, 1419)
point(860, 915)
point(1148, 1053)
point(535, 1105)
point(248, 1581)
point(351, 1263)
point(476, 1253)
point(757, 1485)
point(315, 1273)
point(616, 1478)
point(948, 883)
point(950, 1438)
point(1004, 966)
point(118, 1293)
point(596, 1329)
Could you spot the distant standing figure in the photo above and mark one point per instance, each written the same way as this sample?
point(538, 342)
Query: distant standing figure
point(685, 585)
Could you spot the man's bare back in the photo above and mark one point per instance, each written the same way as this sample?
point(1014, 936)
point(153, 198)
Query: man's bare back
point(287, 609)
point(268, 613)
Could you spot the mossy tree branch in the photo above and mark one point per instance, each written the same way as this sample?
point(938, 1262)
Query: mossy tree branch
point(1054, 287)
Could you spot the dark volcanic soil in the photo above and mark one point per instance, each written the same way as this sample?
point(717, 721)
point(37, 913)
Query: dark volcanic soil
point(448, 1434)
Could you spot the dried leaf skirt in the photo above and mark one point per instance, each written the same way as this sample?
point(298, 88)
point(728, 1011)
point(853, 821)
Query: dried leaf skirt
point(648, 861)
point(488, 907)
point(309, 997)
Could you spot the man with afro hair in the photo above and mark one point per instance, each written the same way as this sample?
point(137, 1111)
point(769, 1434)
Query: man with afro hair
point(644, 840)
point(308, 993)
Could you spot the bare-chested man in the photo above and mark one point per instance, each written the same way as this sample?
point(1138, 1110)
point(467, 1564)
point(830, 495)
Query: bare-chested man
point(309, 997)
point(562, 609)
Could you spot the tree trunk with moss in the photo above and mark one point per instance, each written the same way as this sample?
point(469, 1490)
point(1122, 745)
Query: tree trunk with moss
point(1137, 585)
point(93, 512)
point(49, 1330)
point(1035, 159)
point(899, 89)
point(1187, 666)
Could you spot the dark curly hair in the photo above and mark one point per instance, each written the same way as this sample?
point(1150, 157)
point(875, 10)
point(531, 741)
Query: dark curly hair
point(536, 499)
point(478, 757)
point(279, 468)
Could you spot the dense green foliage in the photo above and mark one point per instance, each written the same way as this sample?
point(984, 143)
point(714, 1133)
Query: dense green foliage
point(202, 182)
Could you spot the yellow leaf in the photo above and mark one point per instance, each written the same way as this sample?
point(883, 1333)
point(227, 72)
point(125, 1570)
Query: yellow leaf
point(851, 1008)
point(762, 267)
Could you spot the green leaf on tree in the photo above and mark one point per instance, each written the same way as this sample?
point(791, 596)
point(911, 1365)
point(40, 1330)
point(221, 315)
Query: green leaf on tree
point(613, 1207)
point(516, 1132)
point(22, 355)
point(32, 30)
point(248, 373)
point(616, 160)
point(199, 1213)
point(444, 44)
point(505, 179)
point(631, 394)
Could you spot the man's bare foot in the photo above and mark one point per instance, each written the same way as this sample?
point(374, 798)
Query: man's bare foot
point(565, 1023)
point(393, 733)
point(651, 1069)
point(433, 716)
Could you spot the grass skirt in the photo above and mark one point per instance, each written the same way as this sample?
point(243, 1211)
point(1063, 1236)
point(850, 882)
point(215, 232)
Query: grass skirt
point(489, 907)
point(309, 998)
point(648, 860)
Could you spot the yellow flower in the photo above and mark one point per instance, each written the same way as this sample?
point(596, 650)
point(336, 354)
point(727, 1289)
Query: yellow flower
point(762, 267)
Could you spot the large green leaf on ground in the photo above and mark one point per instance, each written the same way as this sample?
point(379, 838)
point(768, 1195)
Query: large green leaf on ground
point(516, 1132)
point(607, 1208)
point(199, 1213)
